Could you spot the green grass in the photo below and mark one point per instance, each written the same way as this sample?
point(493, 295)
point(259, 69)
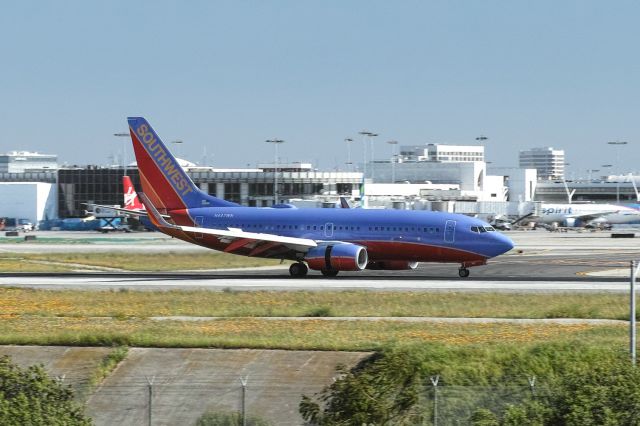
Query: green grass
point(125, 304)
point(314, 334)
point(108, 364)
point(170, 261)
point(112, 318)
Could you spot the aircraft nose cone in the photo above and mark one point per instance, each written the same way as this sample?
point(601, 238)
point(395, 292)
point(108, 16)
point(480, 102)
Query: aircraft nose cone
point(504, 243)
point(499, 244)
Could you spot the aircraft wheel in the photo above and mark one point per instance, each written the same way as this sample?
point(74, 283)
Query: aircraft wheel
point(463, 272)
point(329, 272)
point(298, 269)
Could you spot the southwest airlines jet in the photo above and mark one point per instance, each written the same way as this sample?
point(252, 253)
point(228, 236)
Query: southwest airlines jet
point(327, 240)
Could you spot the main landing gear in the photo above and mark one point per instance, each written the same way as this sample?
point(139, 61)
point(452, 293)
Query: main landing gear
point(329, 272)
point(298, 269)
point(463, 272)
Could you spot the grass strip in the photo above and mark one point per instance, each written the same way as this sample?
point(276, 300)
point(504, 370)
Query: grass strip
point(124, 304)
point(170, 261)
point(291, 335)
point(108, 364)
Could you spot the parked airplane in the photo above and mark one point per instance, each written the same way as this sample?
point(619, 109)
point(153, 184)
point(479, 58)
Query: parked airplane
point(131, 200)
point(581, 215)
point(328, 240)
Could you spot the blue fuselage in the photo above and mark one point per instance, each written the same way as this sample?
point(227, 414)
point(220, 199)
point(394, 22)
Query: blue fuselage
point(421, 236)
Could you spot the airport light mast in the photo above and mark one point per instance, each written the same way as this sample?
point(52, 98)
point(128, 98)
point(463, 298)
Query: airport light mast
point(394, 158)
point(617, 145)
point(178, 142)
point(364, 134)
point(124, 150)
point(275, 143)
point(371, 136)
point(349, 163)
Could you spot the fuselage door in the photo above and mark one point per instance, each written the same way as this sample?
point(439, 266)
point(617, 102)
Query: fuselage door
point(449, 231)
point(199, 224)
point(328, 230)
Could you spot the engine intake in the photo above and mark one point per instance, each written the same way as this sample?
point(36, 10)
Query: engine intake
point(338, 257)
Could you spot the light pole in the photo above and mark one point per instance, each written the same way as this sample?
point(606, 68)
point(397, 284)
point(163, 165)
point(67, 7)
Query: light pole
point(348, 141)
point(178, 143)
point(480, 139)
point(124, 151)
point(371, 136)
point(275, 143)
point(393, 160)
point(618, 145)
point(364, 134)
point(606, 166)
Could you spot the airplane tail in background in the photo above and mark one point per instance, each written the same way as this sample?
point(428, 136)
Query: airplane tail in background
point(164, 181)
point(131, 200)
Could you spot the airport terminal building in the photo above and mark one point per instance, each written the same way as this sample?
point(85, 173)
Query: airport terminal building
point(452, 178)
point(248, 187)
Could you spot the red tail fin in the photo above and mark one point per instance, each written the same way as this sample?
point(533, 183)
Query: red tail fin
point(131, 200)
point(163, 180)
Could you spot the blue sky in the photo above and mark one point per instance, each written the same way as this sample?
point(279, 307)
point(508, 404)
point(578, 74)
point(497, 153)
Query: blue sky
point(225, 76)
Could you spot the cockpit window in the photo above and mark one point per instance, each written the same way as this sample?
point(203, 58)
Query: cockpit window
point(482, 229)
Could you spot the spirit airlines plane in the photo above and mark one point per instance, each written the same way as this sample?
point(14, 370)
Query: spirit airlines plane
point(579, 215)
point(328, 240)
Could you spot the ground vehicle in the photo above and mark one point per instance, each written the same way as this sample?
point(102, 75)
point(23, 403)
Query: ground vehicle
point(16, 224)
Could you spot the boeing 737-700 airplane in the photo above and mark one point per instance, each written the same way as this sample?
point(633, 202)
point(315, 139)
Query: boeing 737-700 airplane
point(328, 240)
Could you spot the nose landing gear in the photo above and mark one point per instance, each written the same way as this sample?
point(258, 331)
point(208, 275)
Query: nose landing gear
point(463, 272)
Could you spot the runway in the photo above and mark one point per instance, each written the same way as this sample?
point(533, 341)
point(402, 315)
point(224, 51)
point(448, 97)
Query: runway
point(541, 262)
point(251, 283)
point(513, 273)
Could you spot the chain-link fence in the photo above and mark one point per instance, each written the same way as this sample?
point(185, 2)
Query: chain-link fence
point(159, 401)
point(457, 405)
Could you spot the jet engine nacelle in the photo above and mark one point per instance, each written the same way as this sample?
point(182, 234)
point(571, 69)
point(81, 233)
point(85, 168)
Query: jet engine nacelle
point(572, 222)
point(392, 265)
point(338, 257)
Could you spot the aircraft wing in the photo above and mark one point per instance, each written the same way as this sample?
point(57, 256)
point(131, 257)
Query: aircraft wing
point(589, 217)
point(521, 218)
point(136, 213)
point(249, 243)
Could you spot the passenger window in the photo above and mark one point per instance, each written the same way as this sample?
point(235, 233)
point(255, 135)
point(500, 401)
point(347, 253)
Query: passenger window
point(321, 227)
point(308, 227)
point(314, 227)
